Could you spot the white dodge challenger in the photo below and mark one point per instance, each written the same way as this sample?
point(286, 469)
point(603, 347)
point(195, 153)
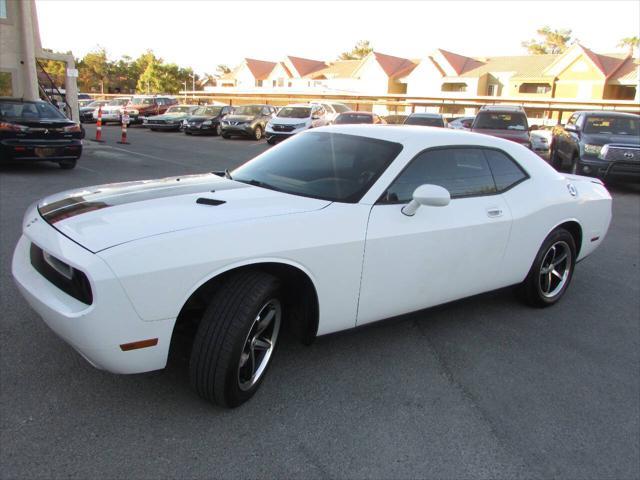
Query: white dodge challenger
point(335, 228)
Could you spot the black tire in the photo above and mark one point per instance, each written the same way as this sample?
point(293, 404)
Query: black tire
point(187, 133)
point(225, 135)
point(271, 141)
point(532, 290)
point(257, 133)
point(68, 164)
point(219, 344)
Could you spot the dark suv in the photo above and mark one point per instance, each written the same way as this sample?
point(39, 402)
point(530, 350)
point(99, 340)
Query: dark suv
point(248, 121)
point(143, 106)
point(504, 121)
point(36, 130)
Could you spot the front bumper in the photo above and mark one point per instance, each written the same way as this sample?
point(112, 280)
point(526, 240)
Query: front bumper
point(96, 331)
point(270, 133)
point(109, 117)
point(163, 126)
point(245, 130)
point(199, 128)
point(40, 150)
point(596, 167)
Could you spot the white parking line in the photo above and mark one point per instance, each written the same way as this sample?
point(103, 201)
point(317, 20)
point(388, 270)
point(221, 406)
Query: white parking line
point(148, 156)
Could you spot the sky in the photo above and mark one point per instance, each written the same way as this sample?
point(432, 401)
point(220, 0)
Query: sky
point(203, 34)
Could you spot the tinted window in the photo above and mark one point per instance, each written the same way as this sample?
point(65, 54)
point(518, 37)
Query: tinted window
point(295, 112)
point(331, 166)
point(29, 112)
point(338, 107)
point(612, 125)
point(500, 121)
point(462, 171)
point(424, 121)
point(353, 118)
point(505, 171)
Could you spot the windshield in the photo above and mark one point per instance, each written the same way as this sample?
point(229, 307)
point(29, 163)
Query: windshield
point(424, 121)
point(354, 118)
point(141, 101)
point(340, 108)
point(180, 109)
point(330, 166)
point(29, 112)
point(612, 125)
point(295, 112)
point(97, 104)
point(118, 101)
point(500, 121)
point(209, 111)
point(248, 110)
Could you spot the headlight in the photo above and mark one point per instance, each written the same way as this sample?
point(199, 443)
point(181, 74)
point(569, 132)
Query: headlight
point(72, 128)
point(206, 122)
point(603, 152)
point(592, 149)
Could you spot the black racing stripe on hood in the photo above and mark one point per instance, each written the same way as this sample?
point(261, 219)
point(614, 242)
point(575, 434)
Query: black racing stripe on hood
point(111, 195)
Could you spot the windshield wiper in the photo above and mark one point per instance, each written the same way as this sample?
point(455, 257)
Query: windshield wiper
point(227, 174)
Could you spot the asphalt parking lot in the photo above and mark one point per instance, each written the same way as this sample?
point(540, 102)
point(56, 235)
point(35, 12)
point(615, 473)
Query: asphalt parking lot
point(481, 388)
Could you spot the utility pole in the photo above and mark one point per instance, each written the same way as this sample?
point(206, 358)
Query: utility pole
point(185, 91)
point(193, 84)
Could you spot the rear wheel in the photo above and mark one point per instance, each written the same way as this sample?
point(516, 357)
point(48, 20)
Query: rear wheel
point(236, 338)
point(68, 164)
point(257, 132)
point(551, 271)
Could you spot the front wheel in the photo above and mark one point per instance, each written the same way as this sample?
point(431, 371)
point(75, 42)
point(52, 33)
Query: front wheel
point(551, 271)
point(236, 338)
point(257, 133)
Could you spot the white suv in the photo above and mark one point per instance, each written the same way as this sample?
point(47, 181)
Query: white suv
point(293, 119)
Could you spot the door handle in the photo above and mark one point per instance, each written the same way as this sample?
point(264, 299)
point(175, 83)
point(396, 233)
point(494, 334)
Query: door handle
point(494, 212)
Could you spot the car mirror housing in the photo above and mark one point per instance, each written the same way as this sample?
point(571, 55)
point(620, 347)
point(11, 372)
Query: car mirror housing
point(427, 195)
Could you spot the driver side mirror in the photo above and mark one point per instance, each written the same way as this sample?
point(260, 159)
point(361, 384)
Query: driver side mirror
point(427, 195)
point(571, 128)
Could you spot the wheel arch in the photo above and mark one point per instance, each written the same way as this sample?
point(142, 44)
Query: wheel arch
point(574, 228)
point(300, 295)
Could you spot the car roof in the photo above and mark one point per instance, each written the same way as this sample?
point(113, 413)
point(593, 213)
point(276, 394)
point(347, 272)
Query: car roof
point(306, 105)
point(426, 115)
point(352, 112)
point(501, 108)
point(608, 113)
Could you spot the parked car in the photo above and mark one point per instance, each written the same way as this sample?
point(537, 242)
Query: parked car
point(37, 131)
point(142, 106)
point(85, 102)
point(540, 138)
point(170, 120)
point(335, 228)
point(295, 118)
point(332, 109)
point(206, 120)
point(425, 120)
point(460, 123)
point(599, 144)
point(86, 112)
point(504, 121)
point(358, 117)
point(247, 121)
point(112, 111)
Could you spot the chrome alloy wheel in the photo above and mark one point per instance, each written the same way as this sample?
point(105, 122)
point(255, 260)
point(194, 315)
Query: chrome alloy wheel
point(555, 269)
point(259, 344)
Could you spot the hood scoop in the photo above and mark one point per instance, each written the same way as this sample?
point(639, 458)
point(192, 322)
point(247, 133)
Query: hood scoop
point(209, 201)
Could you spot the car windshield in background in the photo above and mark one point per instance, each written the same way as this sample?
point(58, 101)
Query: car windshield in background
point(338, 107)
point(612, 125)
point(180, 109)
point(329, 166)
point(501, 121)
point(353, 118)
point(208, 111)
point(118, 101)
point(424, 121)
point(141, 101)
point(295, 112)
point(97, 104)
point(248, 110)
point(29, 112)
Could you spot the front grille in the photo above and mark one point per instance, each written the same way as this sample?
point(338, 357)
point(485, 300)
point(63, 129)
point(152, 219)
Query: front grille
point(77, 286)
point(283, 128)
point(623, 153)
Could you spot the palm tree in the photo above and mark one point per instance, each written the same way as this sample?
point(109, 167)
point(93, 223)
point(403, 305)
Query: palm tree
point(629, 42)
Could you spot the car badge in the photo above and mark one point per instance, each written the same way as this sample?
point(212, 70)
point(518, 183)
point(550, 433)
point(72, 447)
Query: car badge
point(572, 190)
point(628, 155)
point(31, 222)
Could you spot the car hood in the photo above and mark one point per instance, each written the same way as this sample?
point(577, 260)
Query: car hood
point(289, 121)
point(104, 216)
point(604, 138)
point(239, 118)
point(200, 118)
point(519, 136)
point(169, 116)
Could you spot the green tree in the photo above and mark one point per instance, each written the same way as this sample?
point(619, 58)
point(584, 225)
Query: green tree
point(551, 41)
point(164, 78)
point(630, 43)
point(361, 50)
point(94, 71)
point(221, 69)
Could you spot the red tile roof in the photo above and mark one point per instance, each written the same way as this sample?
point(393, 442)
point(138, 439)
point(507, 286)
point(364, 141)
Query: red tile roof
point(394, 66)
point(305, 66)
point(460, 63)
point(260, 69)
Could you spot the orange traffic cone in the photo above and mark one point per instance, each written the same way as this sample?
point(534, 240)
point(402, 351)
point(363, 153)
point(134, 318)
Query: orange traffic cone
point(99, 127)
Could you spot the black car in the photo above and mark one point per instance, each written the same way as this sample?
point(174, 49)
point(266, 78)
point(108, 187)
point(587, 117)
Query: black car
point(37, 131)
point(86, 112)
point(206, 120)
point(598, 144)
point(248, 121)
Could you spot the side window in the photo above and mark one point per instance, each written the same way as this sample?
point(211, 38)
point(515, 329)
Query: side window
point(266, 111)
point(159, 101)
point(506, 172)
point(463, 171)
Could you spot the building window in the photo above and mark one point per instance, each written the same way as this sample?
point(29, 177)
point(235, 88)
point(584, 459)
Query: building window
point(258, 83)
point(281, 82)
point(538, 88)
point(273, 83)
point(492, 90)
point(6, 83)
point(3, 9)
point(454, 87)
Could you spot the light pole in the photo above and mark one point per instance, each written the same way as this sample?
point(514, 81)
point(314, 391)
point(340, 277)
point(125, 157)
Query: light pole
point(185, 91)
point(193, 84)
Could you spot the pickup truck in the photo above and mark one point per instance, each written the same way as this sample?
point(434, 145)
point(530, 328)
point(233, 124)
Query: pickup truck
point(598, 144)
